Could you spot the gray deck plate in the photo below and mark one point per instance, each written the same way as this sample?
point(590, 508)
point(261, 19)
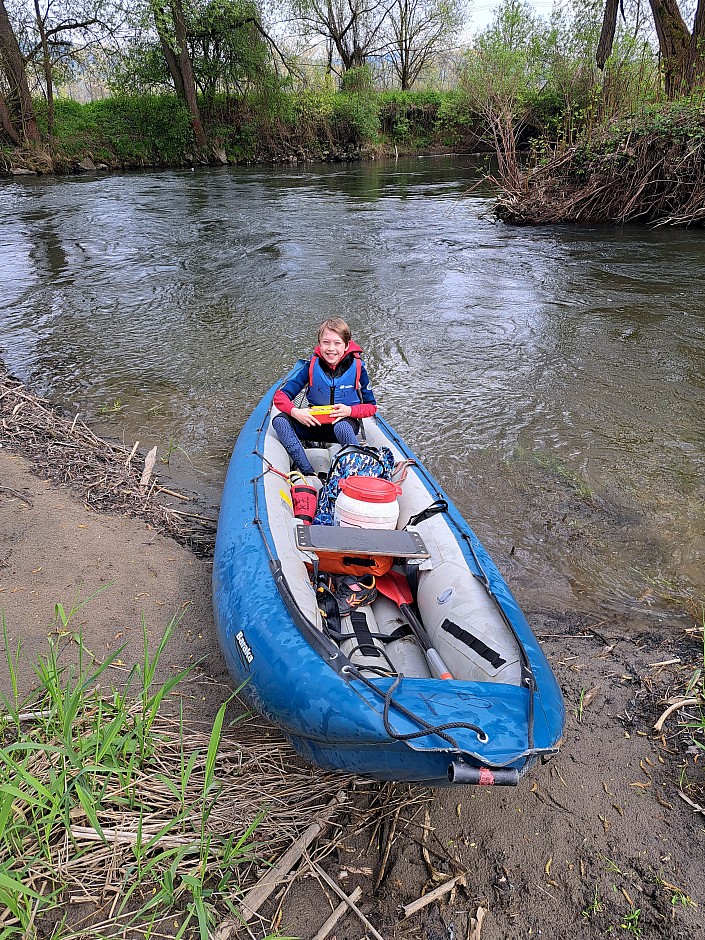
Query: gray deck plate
point(321, 539)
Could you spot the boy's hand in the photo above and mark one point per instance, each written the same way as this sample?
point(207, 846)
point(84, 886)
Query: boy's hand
point(340, 411)
point(304, 416)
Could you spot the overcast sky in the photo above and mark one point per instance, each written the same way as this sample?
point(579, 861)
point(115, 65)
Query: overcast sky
point(483, 10)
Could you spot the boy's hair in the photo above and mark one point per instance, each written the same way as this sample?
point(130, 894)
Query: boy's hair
point(336, 325)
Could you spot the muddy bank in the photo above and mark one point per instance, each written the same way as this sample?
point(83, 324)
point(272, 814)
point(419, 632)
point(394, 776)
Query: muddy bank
point(608, 836)
point(647, 168)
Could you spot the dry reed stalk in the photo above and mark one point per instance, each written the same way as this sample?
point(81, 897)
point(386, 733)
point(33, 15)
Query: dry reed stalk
point(649, 178)
point(160, 810)
point(102, 472)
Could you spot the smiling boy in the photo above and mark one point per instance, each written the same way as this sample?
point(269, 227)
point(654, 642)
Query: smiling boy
point(335, 377)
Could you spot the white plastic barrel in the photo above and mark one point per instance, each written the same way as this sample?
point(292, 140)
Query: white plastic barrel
point(367, 503)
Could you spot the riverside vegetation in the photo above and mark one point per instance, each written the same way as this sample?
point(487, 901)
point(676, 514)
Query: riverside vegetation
point(591, 117)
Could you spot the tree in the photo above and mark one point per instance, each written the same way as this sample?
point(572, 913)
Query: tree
point(170, 23)
point(501, 74)
point(351, 28)
point(60, 30)
point(54, 34)
point(682, 50)
point(416, 31)
point(228, 47)
point(15, 97)
point(231, 50)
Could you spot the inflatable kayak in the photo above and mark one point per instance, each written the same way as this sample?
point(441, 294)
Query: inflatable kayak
point(359, 690)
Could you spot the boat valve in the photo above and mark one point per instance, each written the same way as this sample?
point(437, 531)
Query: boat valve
point(461, 773)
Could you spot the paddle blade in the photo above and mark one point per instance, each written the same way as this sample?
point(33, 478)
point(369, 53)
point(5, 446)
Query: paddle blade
point(394, 585)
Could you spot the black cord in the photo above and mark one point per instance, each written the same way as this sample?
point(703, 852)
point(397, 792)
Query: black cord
point(428, 728)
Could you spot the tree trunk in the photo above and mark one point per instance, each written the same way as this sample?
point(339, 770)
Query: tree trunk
point(674, 44)
point(6, 122)
point(695, 66)
point(171, 60)
point(179, 62)
point(186, 69)
point(46, 63)
point(609, 26)
point(681, 53)
point(14, 68)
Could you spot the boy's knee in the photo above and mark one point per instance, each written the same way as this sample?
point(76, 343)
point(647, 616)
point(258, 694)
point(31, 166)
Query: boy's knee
point(280, 423)
point(345, 431)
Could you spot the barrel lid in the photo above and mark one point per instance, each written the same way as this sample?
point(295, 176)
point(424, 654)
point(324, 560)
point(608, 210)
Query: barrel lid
point(370, 489)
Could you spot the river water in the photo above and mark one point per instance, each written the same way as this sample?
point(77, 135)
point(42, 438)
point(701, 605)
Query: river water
point(553, 379)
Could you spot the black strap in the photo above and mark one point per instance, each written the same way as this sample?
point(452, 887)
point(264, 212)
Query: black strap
point(475, 643)
point(440, 505)
point(363, 634)
point(401, 633)
point(328, 606)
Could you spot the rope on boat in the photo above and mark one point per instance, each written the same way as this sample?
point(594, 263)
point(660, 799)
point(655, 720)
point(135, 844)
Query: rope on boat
point(439, 730)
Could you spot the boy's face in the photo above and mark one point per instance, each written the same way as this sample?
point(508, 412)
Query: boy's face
point(332, 347)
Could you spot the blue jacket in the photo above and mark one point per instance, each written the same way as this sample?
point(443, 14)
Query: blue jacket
point(328, 388)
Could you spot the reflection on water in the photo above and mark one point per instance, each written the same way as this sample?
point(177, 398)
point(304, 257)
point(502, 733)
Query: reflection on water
point(552, 378)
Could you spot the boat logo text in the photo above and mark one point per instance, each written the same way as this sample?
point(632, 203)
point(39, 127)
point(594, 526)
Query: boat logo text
point(245, 648)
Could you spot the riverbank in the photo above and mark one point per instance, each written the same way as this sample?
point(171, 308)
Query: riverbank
point(151, 131)
point(608, 836)
point(646, 168)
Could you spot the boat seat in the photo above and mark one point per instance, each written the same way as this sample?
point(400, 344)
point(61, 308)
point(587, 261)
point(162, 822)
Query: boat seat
point(349, 540)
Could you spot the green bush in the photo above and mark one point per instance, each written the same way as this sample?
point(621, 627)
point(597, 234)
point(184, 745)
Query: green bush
point(355, 117)
point(136, 130)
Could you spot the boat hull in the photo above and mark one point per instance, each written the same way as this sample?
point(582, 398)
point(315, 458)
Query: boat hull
point(334, 716)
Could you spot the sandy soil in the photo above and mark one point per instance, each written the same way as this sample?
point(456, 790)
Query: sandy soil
point(575, 851)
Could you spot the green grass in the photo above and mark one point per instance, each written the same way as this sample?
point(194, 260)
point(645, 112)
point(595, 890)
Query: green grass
point(99, 789)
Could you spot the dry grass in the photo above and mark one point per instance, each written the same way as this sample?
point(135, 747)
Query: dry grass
point(633, 174)
point(106, 475)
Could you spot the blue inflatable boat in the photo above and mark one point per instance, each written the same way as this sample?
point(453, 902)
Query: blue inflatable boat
point(360, 693)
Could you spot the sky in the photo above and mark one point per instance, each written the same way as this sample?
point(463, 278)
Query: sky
point(483, 10)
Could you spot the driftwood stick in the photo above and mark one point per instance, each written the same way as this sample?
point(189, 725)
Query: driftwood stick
point(256, 896)
point(341, 894)
point(682, 703)
point(11, 492)
point(132, 453)
point(339, 912)
point(149, 462)
point(475, 926)
point(434, 895)
point(163, 489)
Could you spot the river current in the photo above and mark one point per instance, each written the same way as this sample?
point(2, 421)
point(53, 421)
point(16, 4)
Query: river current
point(553, 379)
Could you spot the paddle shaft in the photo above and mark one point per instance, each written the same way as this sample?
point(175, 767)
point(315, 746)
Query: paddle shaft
point(433, 657)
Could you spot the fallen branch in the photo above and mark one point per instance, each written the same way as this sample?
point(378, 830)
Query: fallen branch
point(341, 894)
point(434, 895)
point(682, 703)
point(338, 913)
point(256, 896)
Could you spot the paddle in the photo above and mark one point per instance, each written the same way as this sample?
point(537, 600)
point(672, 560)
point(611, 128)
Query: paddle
point(395, 586)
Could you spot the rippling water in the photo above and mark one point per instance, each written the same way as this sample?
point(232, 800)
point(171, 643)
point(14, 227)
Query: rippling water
point(552, 378)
